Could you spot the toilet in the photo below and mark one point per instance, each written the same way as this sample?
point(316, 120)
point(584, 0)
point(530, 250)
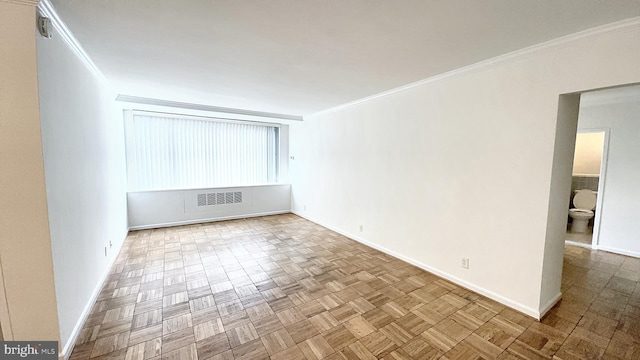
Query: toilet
point(584, 202)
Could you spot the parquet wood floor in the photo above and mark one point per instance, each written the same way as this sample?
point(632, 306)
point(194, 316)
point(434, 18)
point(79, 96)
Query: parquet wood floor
point(281, 287)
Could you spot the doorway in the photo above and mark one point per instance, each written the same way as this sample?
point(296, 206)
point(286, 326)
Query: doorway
point(616, 111)
point(588, 177)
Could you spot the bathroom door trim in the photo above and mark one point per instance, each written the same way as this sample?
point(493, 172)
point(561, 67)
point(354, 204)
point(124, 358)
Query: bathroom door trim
point(595, 239)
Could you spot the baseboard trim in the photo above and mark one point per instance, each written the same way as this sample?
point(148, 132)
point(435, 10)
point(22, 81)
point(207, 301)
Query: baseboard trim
point(573, 243)
point(534, 313)
point(617, 251)
point(204, 220)
point(68, 346)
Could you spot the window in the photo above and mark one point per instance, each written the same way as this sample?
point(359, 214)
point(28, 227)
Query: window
point(181, 152)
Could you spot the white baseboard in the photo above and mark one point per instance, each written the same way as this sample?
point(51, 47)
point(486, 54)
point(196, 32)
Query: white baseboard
point(204, 220)
point(535, 313)
point(67, 348)
point(574, 243)
point(617, 251)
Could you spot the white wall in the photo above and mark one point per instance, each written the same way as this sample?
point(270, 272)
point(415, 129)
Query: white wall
point(588, 153)
point(83, 141)
point(619, 227)
point(151, 209)
point(461, 165)
point(29, 310)
point(559, 192)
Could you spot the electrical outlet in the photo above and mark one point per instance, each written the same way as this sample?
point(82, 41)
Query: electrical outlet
point(464, 263)
point(361, 228)
point(305, 207)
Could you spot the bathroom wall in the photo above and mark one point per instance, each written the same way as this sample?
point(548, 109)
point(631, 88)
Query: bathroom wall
point(584, 182)
point(588, 154)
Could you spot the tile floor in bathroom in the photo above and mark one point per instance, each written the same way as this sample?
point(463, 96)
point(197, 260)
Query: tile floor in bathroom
point(281, 287)
point(581, 238)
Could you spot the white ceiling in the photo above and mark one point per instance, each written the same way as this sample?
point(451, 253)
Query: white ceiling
point(302, 56)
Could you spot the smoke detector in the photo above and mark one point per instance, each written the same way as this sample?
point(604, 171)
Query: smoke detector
point(44, 26)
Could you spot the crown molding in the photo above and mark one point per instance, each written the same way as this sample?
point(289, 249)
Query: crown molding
point(33, 3)
point(623, 25)
point(46, 9)
point(202, 107)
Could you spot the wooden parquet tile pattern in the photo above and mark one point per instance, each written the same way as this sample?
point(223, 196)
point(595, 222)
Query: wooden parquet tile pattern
point(281, 287)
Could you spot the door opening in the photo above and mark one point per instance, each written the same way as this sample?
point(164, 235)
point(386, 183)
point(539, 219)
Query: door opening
point(587, 185)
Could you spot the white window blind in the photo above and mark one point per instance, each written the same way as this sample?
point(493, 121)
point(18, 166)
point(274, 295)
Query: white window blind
point(166, 152)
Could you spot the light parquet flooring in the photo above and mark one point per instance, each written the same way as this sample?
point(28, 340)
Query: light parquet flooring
point(281, 287)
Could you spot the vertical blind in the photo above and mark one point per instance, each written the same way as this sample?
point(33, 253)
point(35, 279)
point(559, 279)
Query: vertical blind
point(178, 153)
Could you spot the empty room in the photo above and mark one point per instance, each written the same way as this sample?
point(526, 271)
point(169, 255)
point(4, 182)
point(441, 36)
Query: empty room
point(280, 179)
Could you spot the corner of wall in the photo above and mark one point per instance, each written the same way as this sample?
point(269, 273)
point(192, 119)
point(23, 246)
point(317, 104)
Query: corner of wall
point(84, 174)
point(29, 286)
point(559, 188)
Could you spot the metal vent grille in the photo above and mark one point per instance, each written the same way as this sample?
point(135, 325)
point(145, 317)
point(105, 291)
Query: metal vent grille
point(222, 198)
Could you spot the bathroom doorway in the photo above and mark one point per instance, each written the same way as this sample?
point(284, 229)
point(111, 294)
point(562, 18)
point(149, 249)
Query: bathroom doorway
point(589, 169)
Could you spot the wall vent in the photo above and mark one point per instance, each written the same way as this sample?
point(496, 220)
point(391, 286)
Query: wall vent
point(223, 198)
